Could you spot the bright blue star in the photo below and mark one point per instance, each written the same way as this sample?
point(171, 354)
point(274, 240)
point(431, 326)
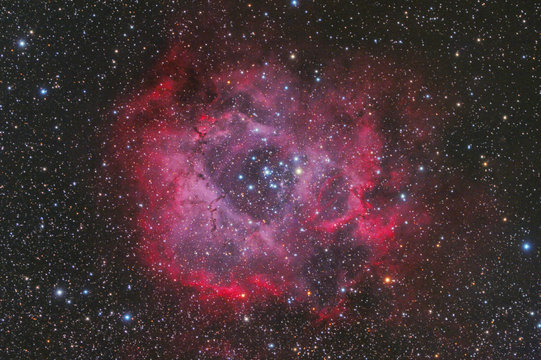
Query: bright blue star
point(127, 317)
point(43, 91)
point(22, 43)
point(526, 246)
point(294, 3)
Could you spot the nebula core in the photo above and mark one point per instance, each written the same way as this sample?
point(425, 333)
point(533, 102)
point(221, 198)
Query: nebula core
point(256, 182)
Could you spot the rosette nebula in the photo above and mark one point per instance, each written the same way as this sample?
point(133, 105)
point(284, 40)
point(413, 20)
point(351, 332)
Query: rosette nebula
point(281, 179)
point(255, 181)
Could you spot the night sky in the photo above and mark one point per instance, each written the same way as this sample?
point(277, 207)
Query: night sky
point(270, 180)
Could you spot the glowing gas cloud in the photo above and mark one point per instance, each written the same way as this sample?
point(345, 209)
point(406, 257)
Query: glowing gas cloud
point(255, 181)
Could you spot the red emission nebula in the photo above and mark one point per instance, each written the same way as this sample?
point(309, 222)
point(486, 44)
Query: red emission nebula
point(256, 181)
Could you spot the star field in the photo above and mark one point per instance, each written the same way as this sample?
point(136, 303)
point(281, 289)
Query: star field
point(270, 180)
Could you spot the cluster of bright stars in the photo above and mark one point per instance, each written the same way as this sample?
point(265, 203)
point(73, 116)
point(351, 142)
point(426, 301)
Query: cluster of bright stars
point(266, 172)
